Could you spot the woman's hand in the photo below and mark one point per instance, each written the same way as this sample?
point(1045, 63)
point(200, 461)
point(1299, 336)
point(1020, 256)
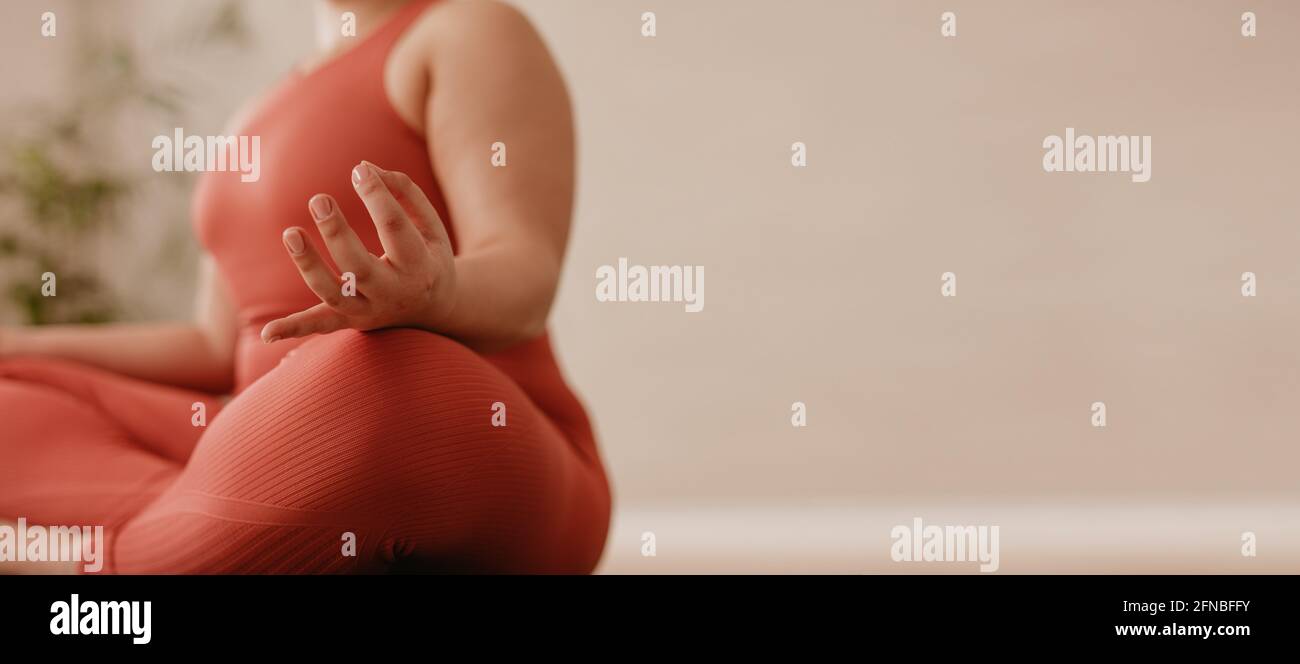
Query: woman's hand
point(411, 285)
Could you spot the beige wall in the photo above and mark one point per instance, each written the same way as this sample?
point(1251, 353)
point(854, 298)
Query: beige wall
point(925, 157)
point(822, 283)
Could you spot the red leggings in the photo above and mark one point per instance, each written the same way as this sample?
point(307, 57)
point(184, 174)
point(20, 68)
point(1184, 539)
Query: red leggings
point(387, 436)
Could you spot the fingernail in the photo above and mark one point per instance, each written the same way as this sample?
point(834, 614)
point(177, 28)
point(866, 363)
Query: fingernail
point(271, 340)
point(360, 174)
point(293, 240)
point(321, 206)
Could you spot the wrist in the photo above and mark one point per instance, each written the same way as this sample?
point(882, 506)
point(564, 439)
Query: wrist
point(440, 315)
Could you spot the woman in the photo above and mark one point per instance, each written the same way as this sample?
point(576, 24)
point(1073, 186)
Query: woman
point(396, 403)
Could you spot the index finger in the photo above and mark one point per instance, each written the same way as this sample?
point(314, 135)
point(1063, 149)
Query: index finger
point(402, 242)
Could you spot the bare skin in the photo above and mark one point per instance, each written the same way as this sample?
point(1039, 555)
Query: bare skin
point(495, 81)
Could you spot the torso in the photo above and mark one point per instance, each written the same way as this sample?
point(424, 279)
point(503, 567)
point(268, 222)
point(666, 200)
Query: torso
point(364, 103)
point(313, 127)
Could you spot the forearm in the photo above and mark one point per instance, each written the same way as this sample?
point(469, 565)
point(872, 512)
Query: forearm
point(503, 296)
point(179, 354)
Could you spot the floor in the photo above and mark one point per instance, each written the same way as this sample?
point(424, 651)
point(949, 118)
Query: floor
point(1115, 537)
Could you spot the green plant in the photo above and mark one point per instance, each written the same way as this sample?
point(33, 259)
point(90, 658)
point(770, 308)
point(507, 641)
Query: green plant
point(63, 185)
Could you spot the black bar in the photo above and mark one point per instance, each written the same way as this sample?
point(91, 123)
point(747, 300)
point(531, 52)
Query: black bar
point(933, 613)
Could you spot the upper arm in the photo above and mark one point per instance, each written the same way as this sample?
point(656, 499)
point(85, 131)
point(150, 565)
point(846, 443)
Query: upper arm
point(493, 80)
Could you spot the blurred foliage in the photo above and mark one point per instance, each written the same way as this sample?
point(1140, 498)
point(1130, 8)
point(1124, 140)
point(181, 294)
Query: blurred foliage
point(67, 186)
point(54, 196)
point(226, 25)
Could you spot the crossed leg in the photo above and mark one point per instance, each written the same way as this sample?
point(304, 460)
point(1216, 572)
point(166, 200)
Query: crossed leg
point(361, 452)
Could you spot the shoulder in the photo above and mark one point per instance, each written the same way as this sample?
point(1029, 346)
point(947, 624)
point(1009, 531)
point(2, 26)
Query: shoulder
point(480, 48)
point(478, 27)
point(487, 16)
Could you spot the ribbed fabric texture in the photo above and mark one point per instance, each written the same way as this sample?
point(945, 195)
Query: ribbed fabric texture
point(383, 436)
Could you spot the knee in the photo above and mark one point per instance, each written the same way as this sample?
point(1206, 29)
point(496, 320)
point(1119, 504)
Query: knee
point(401, 384)
point(23, 377)
point(392, 360)
point(346, 350)
point(367, 384)
point(348, 413)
